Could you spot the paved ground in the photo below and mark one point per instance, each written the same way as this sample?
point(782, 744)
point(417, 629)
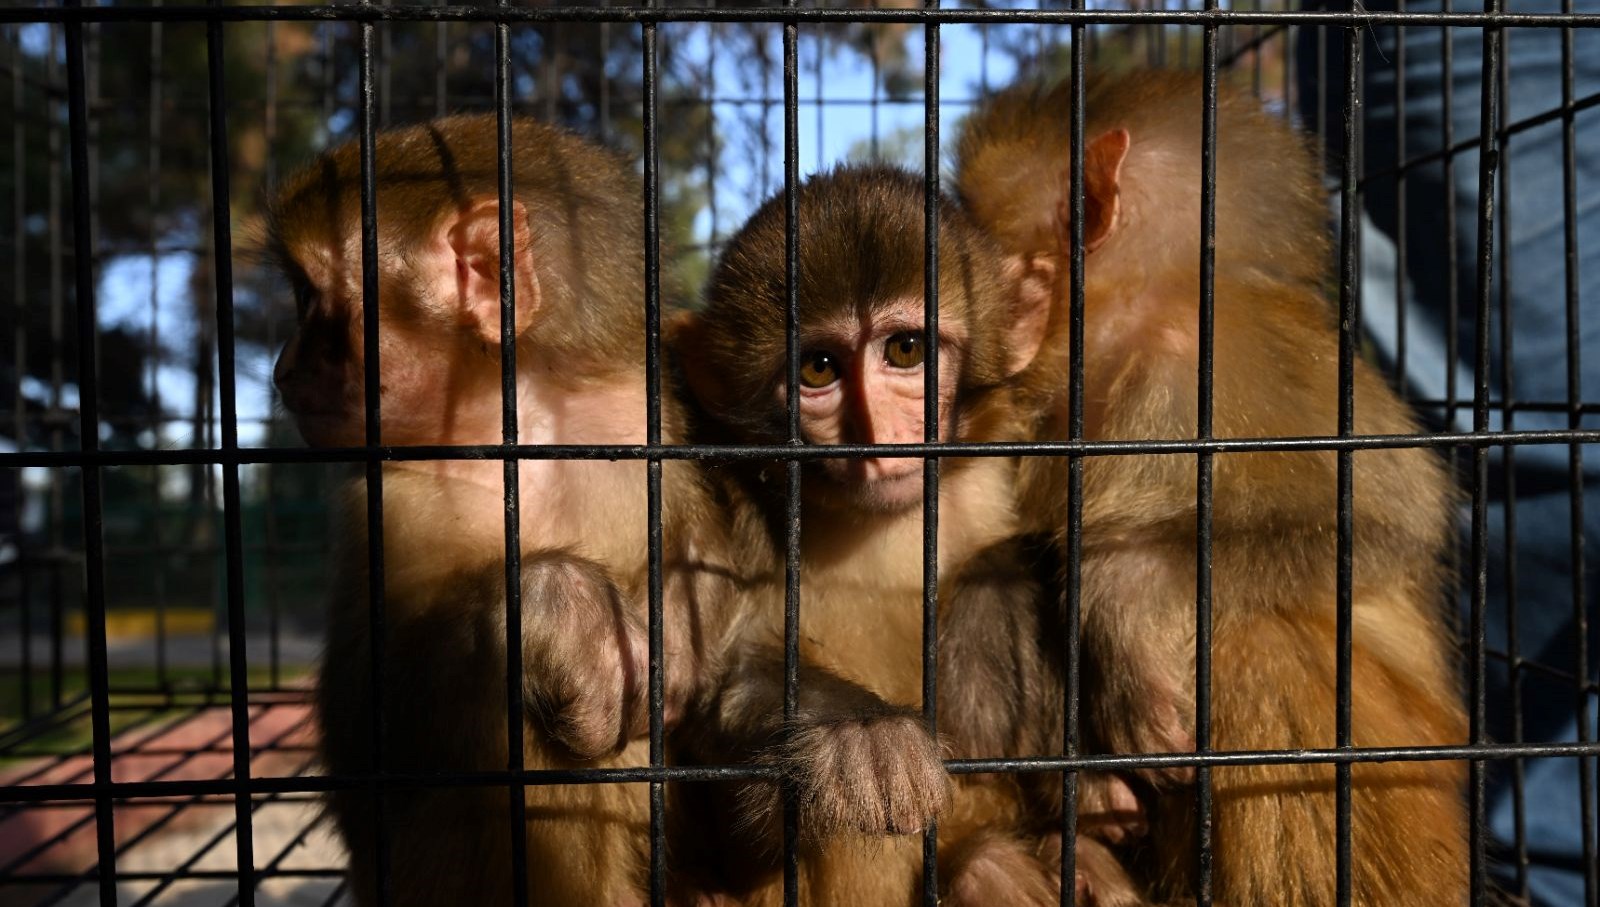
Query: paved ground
point(157, 836)
point(190, 650)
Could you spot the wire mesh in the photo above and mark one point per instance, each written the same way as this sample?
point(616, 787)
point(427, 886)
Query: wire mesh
point(120, 760)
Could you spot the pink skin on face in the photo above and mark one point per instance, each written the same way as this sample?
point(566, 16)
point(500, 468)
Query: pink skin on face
point(874, 401)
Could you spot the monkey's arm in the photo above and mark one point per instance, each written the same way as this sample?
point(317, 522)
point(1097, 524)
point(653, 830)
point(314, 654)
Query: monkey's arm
point(995, 686)
point(584, 653)
point(859, 764)
point(1138, 661)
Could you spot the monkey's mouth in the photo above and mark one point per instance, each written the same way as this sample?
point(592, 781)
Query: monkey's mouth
point(328, 428)
point(879, 485)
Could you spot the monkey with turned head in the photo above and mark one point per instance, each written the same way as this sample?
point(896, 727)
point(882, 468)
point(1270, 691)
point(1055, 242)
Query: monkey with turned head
point(1273, 554)
point(440, 694)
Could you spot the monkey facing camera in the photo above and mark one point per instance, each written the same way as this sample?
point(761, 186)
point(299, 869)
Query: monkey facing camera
point(859, 749)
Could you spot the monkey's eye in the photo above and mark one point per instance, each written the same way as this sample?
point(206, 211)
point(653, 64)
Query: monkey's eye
point(904, 350)
point(818, 369)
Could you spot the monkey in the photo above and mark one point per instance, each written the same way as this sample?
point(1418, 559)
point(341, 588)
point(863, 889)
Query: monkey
point(1273, 563)
point(439, 693)
point(863, 354)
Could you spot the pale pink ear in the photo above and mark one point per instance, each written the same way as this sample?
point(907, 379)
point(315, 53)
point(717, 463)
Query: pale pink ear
point(1033, 278)
point(472, 238)
point(1102, 189)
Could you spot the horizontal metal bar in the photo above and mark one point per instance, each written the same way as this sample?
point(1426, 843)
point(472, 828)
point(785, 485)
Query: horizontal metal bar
point(124, 791)
point(732, 452)
point(1553, 115)
point(129, 791)
point(231, 875)
point(1365, 754)
point(775, 15)
point(67, 416)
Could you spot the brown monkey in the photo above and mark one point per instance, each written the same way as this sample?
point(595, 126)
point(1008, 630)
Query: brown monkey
point(580, 379)
point(1273, 557)
point(859, 753)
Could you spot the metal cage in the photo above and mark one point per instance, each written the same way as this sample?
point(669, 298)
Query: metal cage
point(163, 748)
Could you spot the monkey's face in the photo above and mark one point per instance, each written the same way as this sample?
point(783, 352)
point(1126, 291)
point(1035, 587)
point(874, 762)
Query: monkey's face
point(862, 381)
point(429, 392)
point(438, 314)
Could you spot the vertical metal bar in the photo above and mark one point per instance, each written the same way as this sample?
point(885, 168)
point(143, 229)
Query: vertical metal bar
point(821, 45)
point(1452, 333)
point(1072, 592)
point(930, 425)
point(791, 560)
point(711, 136)
point(1488, 164)
point(605, 78)
point(19, 405)
point(1515, 668)
point(153, 337)
point(511, 466)
point(94, 593)
point(1578, 566)
point(652, 351)
point(222, 270)
point(766, 108)
point(1204, 465)
point(1349, 318)
point(1322, 95)
point(372, 400)
point(877, 81)
point(441, 66)
point(269, 134)
point(1287, 36)
point(58, 541)
point(1402, 257)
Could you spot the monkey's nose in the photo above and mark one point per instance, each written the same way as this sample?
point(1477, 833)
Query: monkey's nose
point(283, 367)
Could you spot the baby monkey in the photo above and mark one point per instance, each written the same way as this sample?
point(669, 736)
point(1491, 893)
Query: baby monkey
point(441, 696)
point(859, 752)
point(1273, 556)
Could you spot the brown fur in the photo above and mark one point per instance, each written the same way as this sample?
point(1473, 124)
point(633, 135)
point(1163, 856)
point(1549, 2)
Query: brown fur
point(580, 380)
point(1273, 584)
point(858, 750)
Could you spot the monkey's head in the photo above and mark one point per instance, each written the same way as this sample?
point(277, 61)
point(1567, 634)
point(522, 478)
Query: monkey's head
point(862, 337)
point(438, 280)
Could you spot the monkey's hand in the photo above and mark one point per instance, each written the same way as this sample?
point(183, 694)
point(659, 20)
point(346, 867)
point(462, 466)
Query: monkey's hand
point(1137, 703)
point(857, 764)
point(1099, 879)
point(872, 773)
point(1150, 722)
point(992, 868)
point(1108, 809)
point(584, 655)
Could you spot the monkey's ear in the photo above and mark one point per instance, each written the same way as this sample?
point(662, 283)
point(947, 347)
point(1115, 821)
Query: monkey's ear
point(472, 238)
point(1102, 179)
point(1102, 186)
point(1033, 279)
point(686, 338)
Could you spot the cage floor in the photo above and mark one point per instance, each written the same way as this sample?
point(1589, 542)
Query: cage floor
point(178, 850)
